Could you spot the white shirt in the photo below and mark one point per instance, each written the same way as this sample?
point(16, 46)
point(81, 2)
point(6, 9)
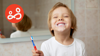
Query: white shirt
point(52, 47)
point(19, 34)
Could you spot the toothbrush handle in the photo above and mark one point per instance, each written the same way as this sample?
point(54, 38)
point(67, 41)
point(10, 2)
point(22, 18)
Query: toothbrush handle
point(35, 48)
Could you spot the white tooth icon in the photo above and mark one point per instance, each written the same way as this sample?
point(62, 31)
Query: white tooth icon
point(13, 16)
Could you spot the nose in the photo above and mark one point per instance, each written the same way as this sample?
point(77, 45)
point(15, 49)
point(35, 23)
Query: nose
point(60, 19)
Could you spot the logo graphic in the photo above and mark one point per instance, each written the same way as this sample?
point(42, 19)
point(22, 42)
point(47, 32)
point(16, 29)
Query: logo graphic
point(14, 13)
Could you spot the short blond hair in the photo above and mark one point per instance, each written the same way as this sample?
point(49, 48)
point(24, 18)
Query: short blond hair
point(24, 24)
point(73, 18)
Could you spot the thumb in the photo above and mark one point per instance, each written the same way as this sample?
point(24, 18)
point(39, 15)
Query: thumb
point(38, 51)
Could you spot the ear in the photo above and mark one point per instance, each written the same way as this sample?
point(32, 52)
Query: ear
point(72, 28)
point(51, 29)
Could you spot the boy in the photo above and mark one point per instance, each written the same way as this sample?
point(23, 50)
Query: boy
point(62, 24)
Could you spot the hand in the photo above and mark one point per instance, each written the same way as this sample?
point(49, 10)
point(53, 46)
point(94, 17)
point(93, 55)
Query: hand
point(37, 53)
point(2, 36)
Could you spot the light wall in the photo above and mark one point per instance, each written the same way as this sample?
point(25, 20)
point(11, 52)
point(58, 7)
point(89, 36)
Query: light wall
point(28, 7)
point(1, 17)
point(88, 22)
point(87, 13)
point(42, 7)
point(37, 10)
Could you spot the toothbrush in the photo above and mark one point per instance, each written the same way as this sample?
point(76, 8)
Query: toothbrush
point(0, 32)
point(33, 43)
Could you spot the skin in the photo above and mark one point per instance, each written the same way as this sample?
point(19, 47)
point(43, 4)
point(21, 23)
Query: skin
point(37, 53)
point(62, 32)
point(2, 36)
point(13, 24)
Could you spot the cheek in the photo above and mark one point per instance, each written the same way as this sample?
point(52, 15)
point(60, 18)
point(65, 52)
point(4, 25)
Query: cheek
point(70, 23)
point(52, 23)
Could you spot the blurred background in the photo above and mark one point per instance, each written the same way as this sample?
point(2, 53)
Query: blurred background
point(87, 13)
point(37, 10)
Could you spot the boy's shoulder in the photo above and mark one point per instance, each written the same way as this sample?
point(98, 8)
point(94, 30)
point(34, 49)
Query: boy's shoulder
point(47, 42)
point(14, 34)
point(51, 40)
point(79, 42)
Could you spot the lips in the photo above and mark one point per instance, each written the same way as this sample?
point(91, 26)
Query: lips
point(60, 24)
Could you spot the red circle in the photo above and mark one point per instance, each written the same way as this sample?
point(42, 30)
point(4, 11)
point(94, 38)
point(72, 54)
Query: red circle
point(13, 18)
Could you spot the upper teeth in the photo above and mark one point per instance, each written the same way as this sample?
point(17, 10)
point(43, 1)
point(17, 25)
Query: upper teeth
point(60, 24)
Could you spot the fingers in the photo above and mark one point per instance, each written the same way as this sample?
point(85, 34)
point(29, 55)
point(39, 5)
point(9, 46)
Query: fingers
point(41, 54)
point(2, 36)
point(33, 51)
point(37, 53)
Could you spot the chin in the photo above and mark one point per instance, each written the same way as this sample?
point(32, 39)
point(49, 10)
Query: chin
point(61, 29)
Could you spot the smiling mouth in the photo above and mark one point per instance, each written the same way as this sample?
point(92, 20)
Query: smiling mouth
point(60, 24)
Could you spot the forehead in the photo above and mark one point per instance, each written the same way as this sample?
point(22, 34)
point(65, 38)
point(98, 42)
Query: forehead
point(60, 10)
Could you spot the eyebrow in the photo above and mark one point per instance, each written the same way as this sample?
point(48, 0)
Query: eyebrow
point(57, 14)
point(65, 12)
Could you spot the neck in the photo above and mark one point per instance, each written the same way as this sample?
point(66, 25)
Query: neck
point(63, 37)
point(16, 29)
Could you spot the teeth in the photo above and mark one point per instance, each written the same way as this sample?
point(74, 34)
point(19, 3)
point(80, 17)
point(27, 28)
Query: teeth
point(60, 24)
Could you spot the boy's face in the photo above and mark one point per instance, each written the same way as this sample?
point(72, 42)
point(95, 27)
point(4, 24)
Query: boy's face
point(60, 20)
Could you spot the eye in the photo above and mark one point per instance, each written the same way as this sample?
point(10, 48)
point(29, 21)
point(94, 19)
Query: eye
point(55, 17)
point(65, 16)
